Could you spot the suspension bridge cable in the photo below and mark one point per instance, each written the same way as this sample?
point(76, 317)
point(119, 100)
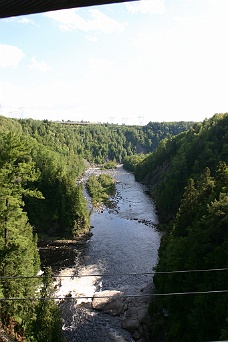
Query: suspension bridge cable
point(118, 296)
point(115, 274)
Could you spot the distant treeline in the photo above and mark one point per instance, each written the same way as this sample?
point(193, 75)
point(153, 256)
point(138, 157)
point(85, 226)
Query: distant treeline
point(98, 143)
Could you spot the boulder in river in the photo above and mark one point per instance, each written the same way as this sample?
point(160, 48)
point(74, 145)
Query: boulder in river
point(134, 311)
point(111, 302)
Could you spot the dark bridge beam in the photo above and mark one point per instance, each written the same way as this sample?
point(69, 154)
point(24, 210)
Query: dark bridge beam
point(11, 8)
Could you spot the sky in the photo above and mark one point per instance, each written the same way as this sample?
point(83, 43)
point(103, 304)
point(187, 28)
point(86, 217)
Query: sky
point(128, 63)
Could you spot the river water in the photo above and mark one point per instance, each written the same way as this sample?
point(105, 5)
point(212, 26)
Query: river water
point(122, 251)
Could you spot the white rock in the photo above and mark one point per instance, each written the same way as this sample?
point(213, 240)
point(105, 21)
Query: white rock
point(111, 302)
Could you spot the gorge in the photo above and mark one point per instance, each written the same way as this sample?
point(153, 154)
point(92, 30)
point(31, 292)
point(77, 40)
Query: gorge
point(42, 202)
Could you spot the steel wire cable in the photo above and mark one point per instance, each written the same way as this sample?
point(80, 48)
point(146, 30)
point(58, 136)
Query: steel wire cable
point(114, 274)
point(110, 296)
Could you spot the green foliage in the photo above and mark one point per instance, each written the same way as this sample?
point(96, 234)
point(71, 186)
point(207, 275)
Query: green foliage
point(18, 244)
point(131, 162)
point(100, 188)
point(47, 325)
point(198, 240)
point(99, 143)
point(111, 164)
point(63, 209)
point(9, 125)
point(19, 182)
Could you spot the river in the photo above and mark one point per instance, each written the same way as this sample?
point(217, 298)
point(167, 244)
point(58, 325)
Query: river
point(122, 250)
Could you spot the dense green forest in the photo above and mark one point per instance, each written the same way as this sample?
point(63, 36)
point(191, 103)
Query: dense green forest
point(198, 240)
point(40, 165)
point(98, 143)
point(188, 177)
point(18, 243)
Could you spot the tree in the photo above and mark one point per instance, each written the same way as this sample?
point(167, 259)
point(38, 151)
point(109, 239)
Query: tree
point(187, 210)
point(198, 241)
point(18, 244)
point(47, 325)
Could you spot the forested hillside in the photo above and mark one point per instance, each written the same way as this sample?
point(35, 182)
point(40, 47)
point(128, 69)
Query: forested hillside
point(98, 143)
point(188, 177)
point(40, 163)
point(178, 158)
point(60, 207)
point(198, 240)
point(18, 242)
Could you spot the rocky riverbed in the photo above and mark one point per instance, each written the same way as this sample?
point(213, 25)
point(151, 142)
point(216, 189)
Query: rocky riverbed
point(103, 318)
point(92, 315)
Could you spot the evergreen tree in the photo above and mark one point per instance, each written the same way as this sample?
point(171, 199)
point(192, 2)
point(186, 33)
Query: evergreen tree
point(202, 245)
point(47, 325)
point(18, 245)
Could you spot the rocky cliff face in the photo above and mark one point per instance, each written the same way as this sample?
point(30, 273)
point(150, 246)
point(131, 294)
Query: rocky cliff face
point(141, 149)
point(154, 177)
point(153, 180)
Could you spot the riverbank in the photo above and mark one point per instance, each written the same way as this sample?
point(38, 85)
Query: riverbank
point(59, 253)
point(133, 311)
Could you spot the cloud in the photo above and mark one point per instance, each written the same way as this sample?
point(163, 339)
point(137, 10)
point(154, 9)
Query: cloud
point(69, 20)
point(91, 38)
point(20, 20)
point(187, 63)
point(99, 66)
point(146, 7)
point(27, 21)
point(10, 55)
point(41, 66)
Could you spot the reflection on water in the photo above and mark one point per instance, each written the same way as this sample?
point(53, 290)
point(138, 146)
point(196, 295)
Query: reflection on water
point(124, 239)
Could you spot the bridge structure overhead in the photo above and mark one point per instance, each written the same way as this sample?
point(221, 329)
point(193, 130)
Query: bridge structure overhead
point(12, 8)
